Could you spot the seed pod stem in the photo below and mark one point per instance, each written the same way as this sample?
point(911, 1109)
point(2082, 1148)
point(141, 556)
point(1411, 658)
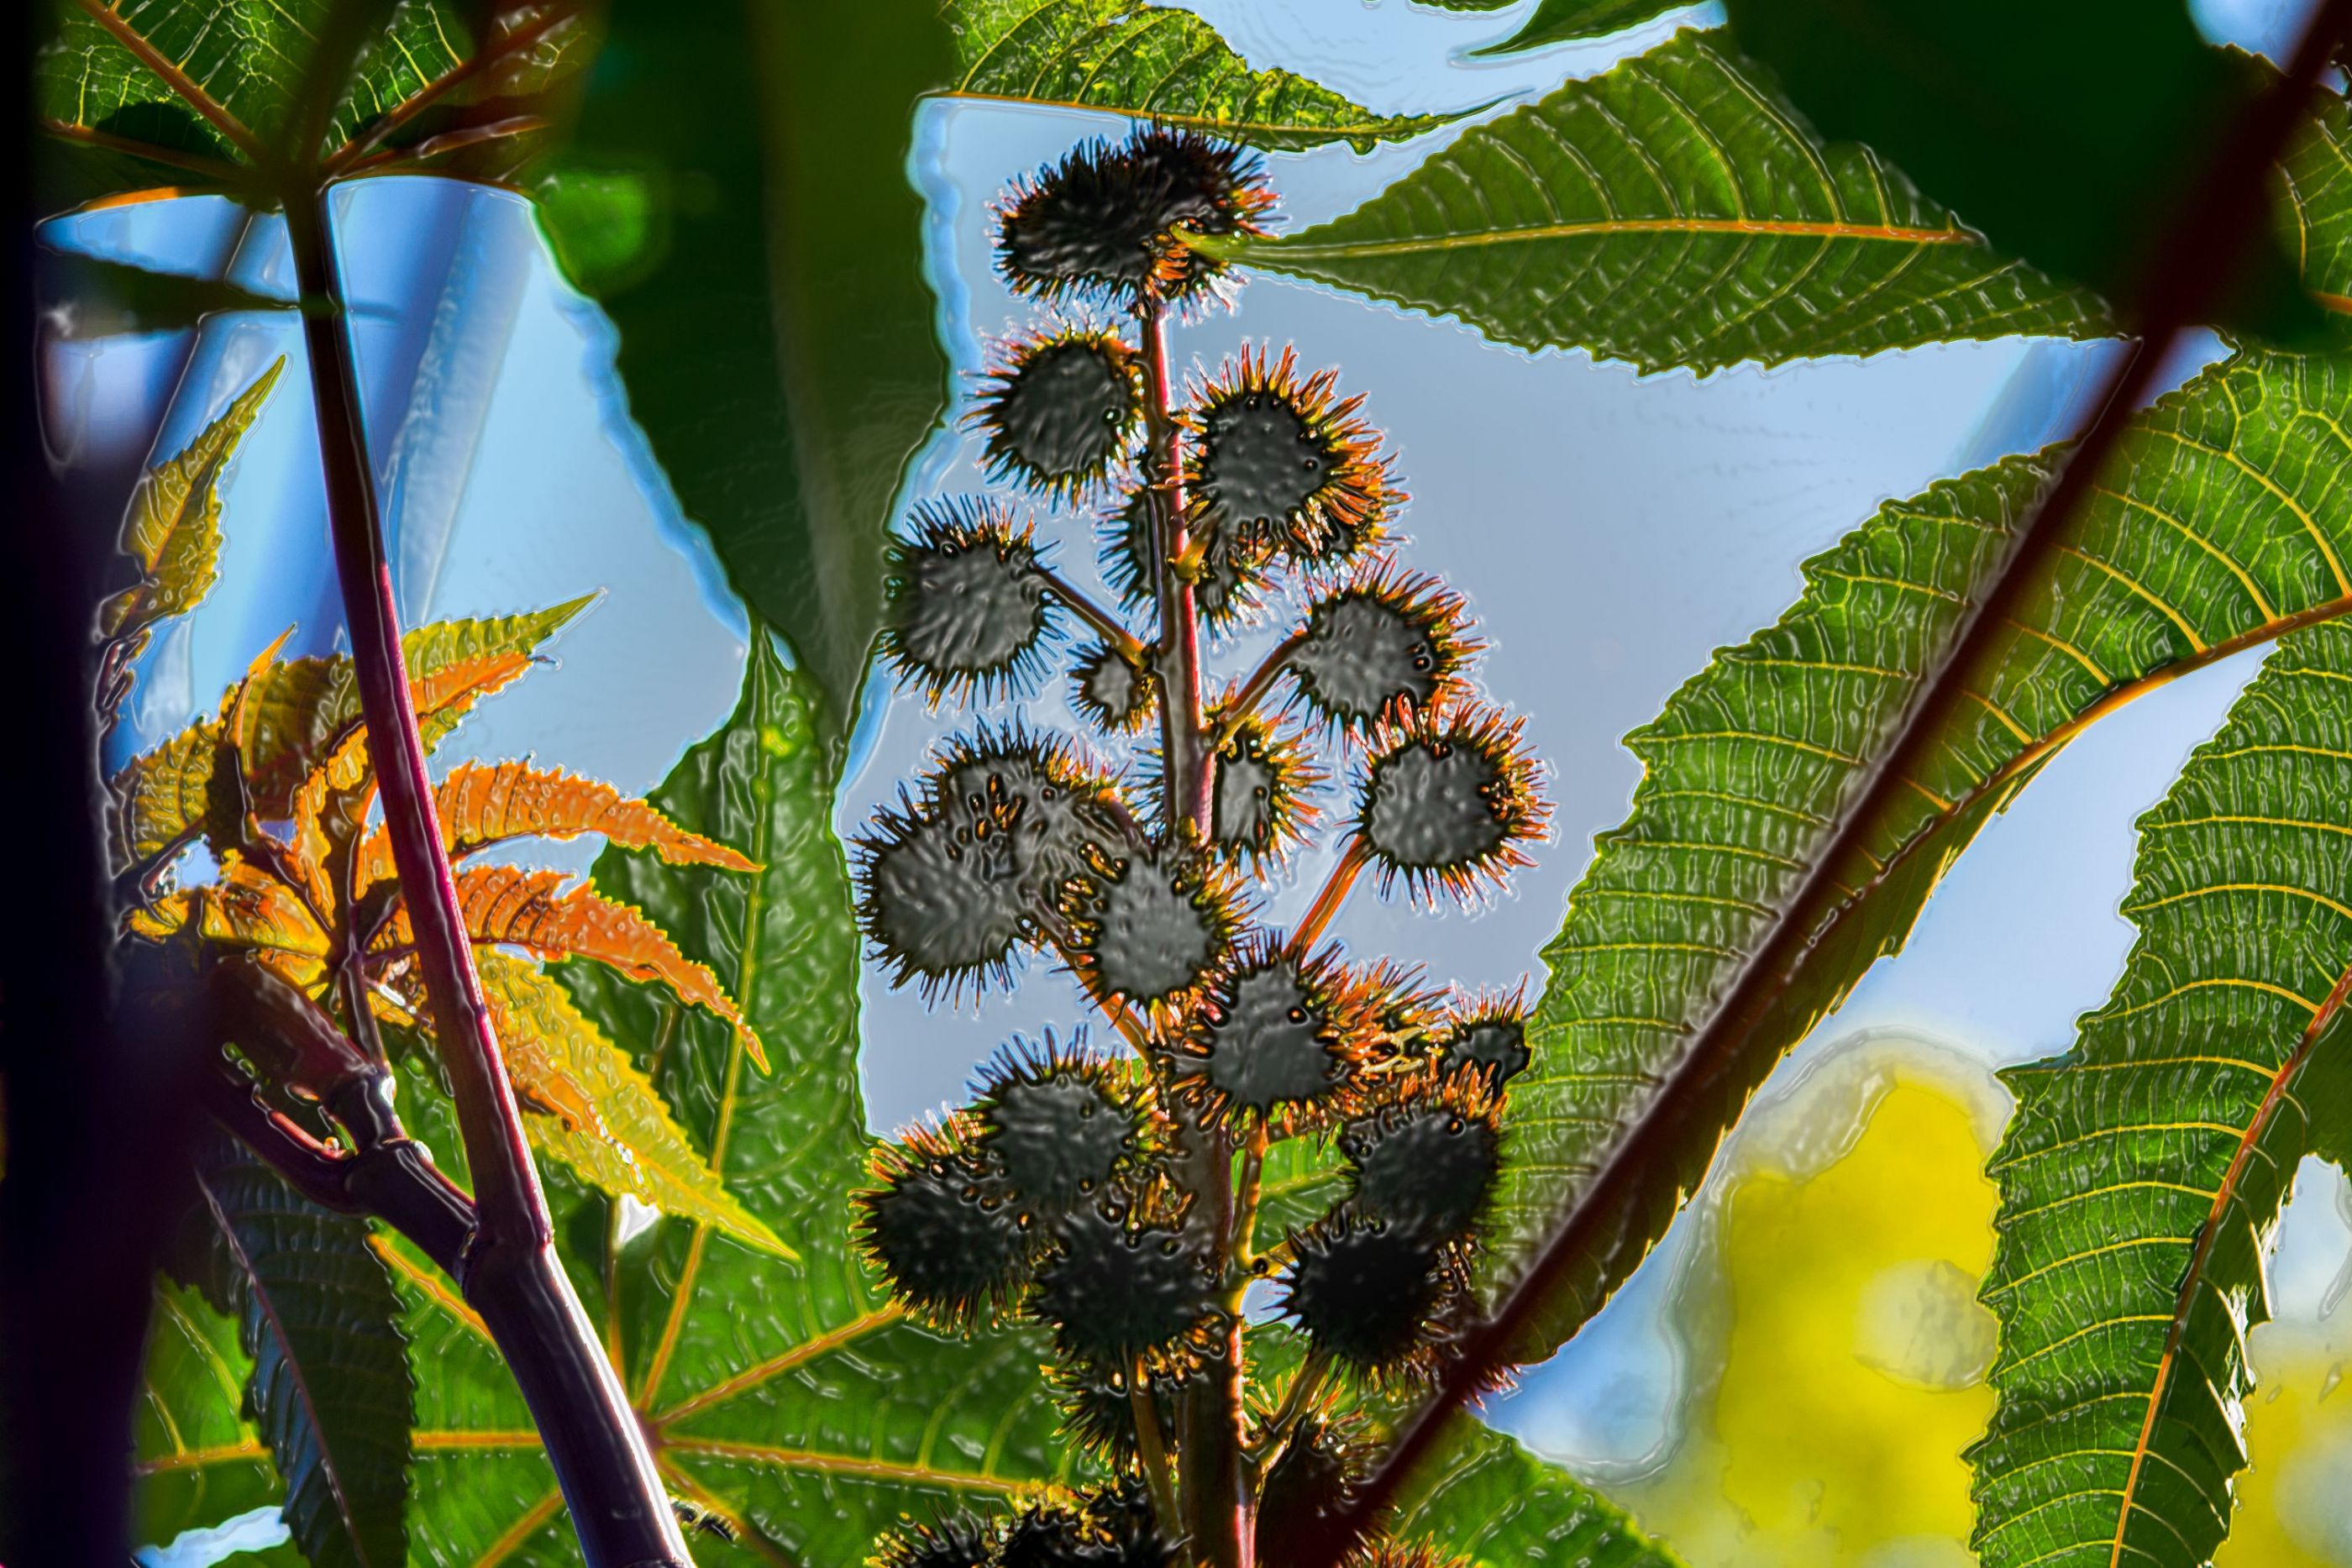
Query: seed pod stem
point(1130, 647)
point(1320, 914)
point(1261, 681)
point(1186, 776)
point(1152, 1446)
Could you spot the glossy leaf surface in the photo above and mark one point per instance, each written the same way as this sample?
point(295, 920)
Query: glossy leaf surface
point(2218, 526)
point(2142, 1176)
point(1670, 212)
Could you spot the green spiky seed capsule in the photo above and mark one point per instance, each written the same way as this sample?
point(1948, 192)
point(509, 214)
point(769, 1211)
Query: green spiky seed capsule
point(949, 1243)
point(1099, 222)
point(1363, 1290)
point(1385, 642)
point(1152, 928)
point(1447, 802)
point(1258, 807)
point(967, 607)
point(1112, 694)
point(956, 1541)
point(1272, 1041)
point(1054, 1127)
point(1115, 1292)
point(1490, 1041)
point(942, 907)
point(1427, 1164)
point(1062, 412)
point(1284, 461)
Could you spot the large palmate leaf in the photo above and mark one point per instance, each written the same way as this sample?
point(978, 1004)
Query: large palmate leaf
point(2218, 523)
point(788, 1395)
point(326, 1381)
point(1673, 212)
point(146, 93)
point(2142, 1176)
point(1156, 61)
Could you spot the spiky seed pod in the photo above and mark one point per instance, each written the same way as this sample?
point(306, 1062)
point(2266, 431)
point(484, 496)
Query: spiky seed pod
point(1275, 1041)
point(1448, 799)
point(1061, 411)
point(1150, 926)
point(1050, 1533)
point(1308, 1487)
point(1405, 1554)
point(1111, 694)
point(1049, 813)
point(954, 1541)
point(1364, 1288)
point(949, 1242)
point(1385, 642)
point(1285, 461)
point(1488, 1038)
point(1259, 808)
point(1117, 1289)
point(1099, 1408)
point(1228, 582)
point(1054, 1123)
point(968, 611)
point(1099, 223)
point(1426, 1161)
point(1403, 1007)
point(943, 906)
point(1131, 1537)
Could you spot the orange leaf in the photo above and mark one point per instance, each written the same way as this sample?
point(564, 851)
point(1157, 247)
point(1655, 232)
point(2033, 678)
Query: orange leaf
point(525, 909)
point(481, 806)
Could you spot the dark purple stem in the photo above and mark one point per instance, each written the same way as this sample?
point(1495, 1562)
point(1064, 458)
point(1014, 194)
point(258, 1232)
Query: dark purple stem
point(508, 1272)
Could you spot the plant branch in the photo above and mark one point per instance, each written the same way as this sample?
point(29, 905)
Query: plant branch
point(1261, 681)
point(508, 1271)
point(1332, 895)
point(2202, 247)
point(1184, 764)
point(1130, 647)
point(1153, 1449)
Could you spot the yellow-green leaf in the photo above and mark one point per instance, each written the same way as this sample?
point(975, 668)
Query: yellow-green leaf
point(592, 1108)
point(173, 529)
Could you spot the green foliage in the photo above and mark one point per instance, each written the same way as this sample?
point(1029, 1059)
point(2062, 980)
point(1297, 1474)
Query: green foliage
point(1483, 1497)
point(2142, 1176)
point(1993, 108)
point(1563, 21)
point(2219, 525)
point(1158, 62)
point(196, 1454)
point(1673, 212)
point(327, 1381)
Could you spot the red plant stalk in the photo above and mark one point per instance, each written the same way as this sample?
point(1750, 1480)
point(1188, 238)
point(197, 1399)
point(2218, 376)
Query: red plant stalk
point(510, 1274)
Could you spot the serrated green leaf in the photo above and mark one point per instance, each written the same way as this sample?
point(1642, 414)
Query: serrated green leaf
point(1672, 212)
point(594, 1110)
point(2217, 525)
point(1302, 1179)
point(147, 93)
point(172, 531)
point(1563, 21)
point(327, 1385)
point(2142, 1174)
point(197, 1457)
point(1481, 1496)
point(1155, 62)
point(789, 1395)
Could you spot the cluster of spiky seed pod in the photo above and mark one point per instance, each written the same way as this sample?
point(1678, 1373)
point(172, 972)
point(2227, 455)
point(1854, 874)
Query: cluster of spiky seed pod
point(1062, 1195)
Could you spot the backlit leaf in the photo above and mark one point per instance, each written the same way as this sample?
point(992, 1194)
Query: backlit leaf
point(1562, 21)
point(1673, 212)
point(198, 1458)
point(2142, 1176)
point(484, 804)
point(595, 1110)
point(1158, 62)
point(2217, 525)
point(1484, 1498)
point(534, 910)
point(173, 529)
